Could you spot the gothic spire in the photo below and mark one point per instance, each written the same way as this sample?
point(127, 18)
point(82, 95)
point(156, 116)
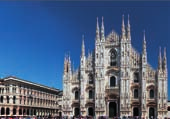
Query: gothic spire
point(65, 63)
point(160, 60)
point(97, 31)
point(123, 27)
point(164, 60)
point(144, 43)
point(73, 67)
point(69, 62)
point(102, 30)
point(82, 61)
point(128, 29)
point(144, 53)
point(69, 57)
point(83, 47)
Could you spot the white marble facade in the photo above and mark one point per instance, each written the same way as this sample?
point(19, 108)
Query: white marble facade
point(115, 79)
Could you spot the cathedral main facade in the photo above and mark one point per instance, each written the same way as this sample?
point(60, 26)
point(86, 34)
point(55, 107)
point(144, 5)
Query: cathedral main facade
point(115, 80)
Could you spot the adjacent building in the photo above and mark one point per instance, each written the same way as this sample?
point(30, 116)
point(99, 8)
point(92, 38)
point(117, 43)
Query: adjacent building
point(22, 98)
point(115, 79)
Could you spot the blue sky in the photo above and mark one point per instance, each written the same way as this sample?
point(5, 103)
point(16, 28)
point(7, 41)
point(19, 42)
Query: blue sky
point(34, 36)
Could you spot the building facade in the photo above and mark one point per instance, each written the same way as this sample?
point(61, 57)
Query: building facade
point(23, 98)
point(115, 79)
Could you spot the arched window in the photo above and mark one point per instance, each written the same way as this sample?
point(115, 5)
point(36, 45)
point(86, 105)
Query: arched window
point(90, 78)
point(28, 112)
point(90, 94)
point(112, 81)
point(136, 77)
point(14, 100)
point(136, 93)
point(76, 95)
point(20, 111)
point(151, 93)
point(2, 111)
point(31, 112)
point(2, 99)
point(24, 112)
point(7, 111)
point(168, 108)
point(112, 58)
point(7, 99)
point(34, 111)
point(14, 111)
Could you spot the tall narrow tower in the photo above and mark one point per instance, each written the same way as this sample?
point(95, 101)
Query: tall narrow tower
point(125, 61)
point(160, 85)
point(82, 77)
point(144, 78)
point(165, 83)
point(67, 76)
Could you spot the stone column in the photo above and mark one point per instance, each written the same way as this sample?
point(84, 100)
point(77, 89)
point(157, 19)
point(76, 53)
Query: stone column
point(10, 89)
point(108, 108)
point(17, 110)
point(17, 89)
point(4, 90)
point(11, 99)
point(116, 108)
point(11, 110)
point(4, 99)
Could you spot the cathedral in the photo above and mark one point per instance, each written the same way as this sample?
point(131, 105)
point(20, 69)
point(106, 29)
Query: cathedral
point(115, 80)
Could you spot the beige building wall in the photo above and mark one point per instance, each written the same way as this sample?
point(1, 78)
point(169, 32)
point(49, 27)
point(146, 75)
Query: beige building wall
point(23, 98)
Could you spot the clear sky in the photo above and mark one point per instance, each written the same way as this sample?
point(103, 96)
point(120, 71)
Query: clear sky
point(34, 36)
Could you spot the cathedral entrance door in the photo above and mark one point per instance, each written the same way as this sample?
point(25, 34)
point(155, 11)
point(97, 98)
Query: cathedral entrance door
point(135, 111)
point(60, 114)
point(76, 111)
point(112, 109)
point(151, 113)
point(90, 110)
